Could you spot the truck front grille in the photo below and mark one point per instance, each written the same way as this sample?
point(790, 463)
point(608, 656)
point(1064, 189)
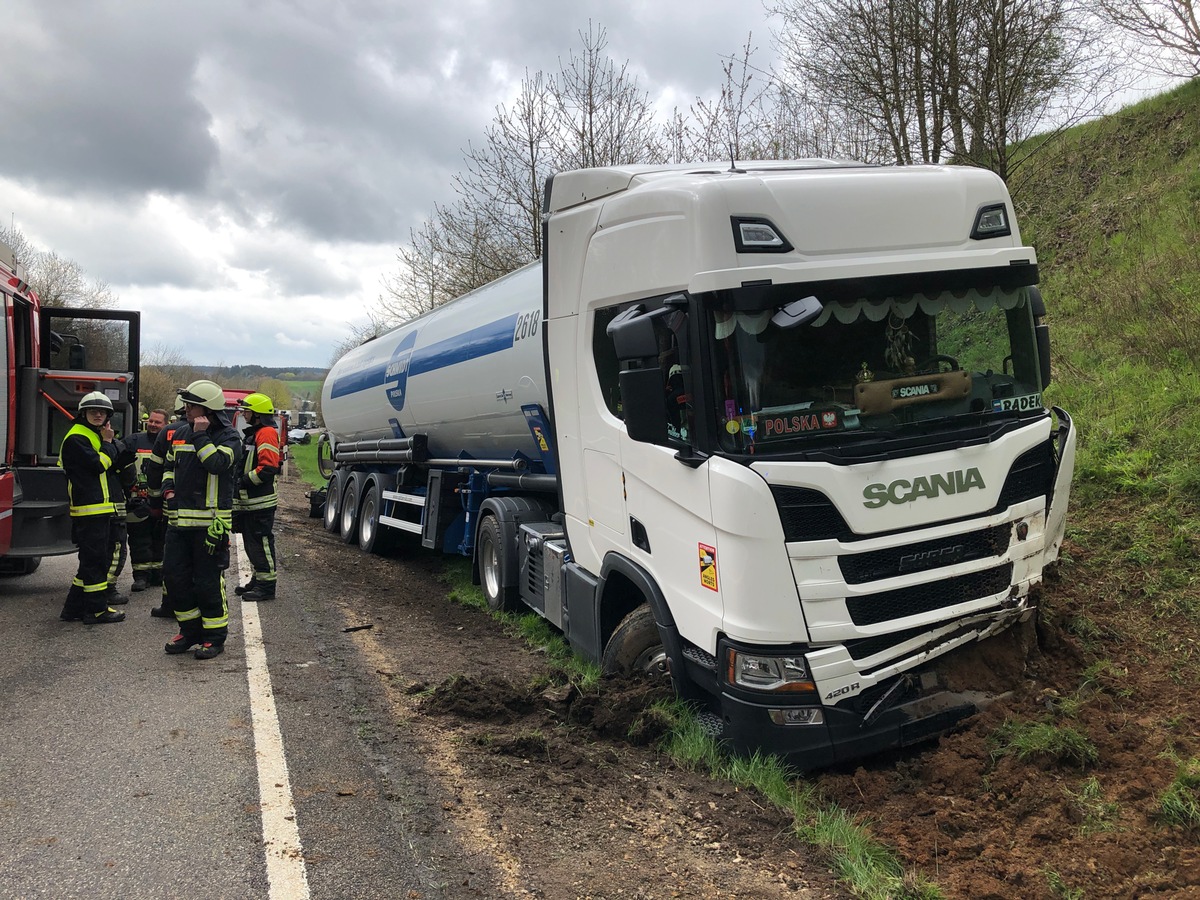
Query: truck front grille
point(877, 564)
point(809, 515)
point(885, 606)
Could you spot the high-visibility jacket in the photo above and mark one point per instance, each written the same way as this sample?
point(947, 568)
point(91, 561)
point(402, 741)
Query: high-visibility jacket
point(256, 488)
point(200, 468)
point(86, 460)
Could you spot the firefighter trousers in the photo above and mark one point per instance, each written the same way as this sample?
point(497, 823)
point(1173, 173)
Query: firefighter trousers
point(258, 537)
point(146, 540)
point(195, 582)
point(93, 536)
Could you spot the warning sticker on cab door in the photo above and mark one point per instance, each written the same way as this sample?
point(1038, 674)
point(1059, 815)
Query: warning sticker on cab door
point(708, 567)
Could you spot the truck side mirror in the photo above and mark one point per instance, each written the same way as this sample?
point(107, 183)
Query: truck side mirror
point(1041, 332)
point(77, 357)
point(1042, 335)
point(632, 334)
point(644, 405)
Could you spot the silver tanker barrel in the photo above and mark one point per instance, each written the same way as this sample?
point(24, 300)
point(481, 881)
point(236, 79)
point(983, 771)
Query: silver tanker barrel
point(461, 376)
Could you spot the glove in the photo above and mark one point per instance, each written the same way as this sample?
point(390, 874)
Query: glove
point(217, 536)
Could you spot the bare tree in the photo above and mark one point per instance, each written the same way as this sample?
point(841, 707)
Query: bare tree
point(950, 80)
point(602, 115)
point(591, 113)
point(164, 370)
point(1168, 32)
point(735, 124)
point(57, 281)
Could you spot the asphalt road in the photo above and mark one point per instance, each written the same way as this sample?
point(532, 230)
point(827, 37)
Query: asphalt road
point(128, 773)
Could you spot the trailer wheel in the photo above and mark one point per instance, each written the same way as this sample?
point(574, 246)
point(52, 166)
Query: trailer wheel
point(350, 498)
point(372, 537)
point(333, 503)
point(636, 646)
point(490, 552)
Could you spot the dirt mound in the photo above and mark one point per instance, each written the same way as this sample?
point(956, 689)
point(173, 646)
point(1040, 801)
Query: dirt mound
point(621, 709)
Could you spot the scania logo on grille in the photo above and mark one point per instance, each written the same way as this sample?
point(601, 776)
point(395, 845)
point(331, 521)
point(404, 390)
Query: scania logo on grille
point(904, 491)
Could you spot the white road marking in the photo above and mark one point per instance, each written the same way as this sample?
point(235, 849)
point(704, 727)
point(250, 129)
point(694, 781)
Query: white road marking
point(287, 876)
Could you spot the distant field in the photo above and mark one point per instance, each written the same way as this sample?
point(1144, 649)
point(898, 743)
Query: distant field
point(300, 388)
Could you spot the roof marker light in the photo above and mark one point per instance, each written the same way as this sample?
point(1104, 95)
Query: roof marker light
point(753, 235)
point(991, 221)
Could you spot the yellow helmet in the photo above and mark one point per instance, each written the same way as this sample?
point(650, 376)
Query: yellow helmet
point(258, 403)
point(204, 393)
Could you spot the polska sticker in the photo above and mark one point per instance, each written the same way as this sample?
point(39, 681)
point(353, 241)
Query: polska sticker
point(1017, 404)
point(708, 566)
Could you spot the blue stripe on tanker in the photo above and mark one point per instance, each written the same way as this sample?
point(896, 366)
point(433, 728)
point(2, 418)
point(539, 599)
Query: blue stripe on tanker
point(478, 342)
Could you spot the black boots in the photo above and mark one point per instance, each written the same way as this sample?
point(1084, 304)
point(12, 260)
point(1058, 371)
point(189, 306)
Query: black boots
point(106, 617)
point(259, 591)
point(208, 650)
point(182, 643)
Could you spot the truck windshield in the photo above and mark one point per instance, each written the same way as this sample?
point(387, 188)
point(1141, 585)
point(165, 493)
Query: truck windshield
point(862, 365)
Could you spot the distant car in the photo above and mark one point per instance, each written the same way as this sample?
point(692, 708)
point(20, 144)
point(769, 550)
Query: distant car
point(298, 436)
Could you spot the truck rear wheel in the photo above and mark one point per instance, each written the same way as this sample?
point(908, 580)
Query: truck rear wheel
point(636, 646)
point(350, 498)
point(490, 553)
point(372, 537)
point(333, 503)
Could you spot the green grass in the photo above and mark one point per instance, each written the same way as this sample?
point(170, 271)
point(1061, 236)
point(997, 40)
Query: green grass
point(1029, 741)
point(310, 388)
point(1094, 812)
point(304, 458)
point(1179, 804)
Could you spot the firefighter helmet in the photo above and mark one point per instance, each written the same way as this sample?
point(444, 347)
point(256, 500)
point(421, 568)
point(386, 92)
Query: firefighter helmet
point(258, 403)
point(204, 393)
point(96, 400)
point(179, 406)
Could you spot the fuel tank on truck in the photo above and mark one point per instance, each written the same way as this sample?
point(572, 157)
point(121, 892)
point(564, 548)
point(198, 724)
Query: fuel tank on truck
point(459, 375)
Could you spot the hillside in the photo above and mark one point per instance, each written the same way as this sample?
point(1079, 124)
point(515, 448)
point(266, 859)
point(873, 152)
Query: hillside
point(1086, 782)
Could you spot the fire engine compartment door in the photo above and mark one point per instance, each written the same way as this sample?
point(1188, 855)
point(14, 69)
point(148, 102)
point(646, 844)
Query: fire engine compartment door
point(83, 350)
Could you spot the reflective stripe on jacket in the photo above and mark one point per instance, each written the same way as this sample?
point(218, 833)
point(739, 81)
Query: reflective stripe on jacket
point(86, 460)
point(256, 488)
point(200, 468)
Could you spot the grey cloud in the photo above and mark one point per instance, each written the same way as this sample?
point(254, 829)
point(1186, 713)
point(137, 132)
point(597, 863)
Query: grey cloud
point(103, 100)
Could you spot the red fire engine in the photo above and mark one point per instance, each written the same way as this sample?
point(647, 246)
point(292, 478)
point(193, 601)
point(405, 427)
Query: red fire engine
point(50, 358)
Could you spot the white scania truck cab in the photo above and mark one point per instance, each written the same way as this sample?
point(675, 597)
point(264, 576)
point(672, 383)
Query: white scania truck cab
point(776, 430)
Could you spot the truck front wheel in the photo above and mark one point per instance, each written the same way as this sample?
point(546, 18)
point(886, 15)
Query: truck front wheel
point(636, 646)
point(492, 572)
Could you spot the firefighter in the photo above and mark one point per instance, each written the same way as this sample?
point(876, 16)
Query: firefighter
point(146, 531)
point(121, 478)
point(256, 498)
point(197, 487)
point(86, 455)
point(153, 468)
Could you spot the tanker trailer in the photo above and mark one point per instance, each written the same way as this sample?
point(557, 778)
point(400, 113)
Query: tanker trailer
point(774, 430)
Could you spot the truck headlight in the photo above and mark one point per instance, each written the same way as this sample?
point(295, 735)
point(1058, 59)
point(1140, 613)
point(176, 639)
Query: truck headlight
point(768, 673)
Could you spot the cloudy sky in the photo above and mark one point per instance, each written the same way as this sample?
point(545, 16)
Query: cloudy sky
point(242, 171)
